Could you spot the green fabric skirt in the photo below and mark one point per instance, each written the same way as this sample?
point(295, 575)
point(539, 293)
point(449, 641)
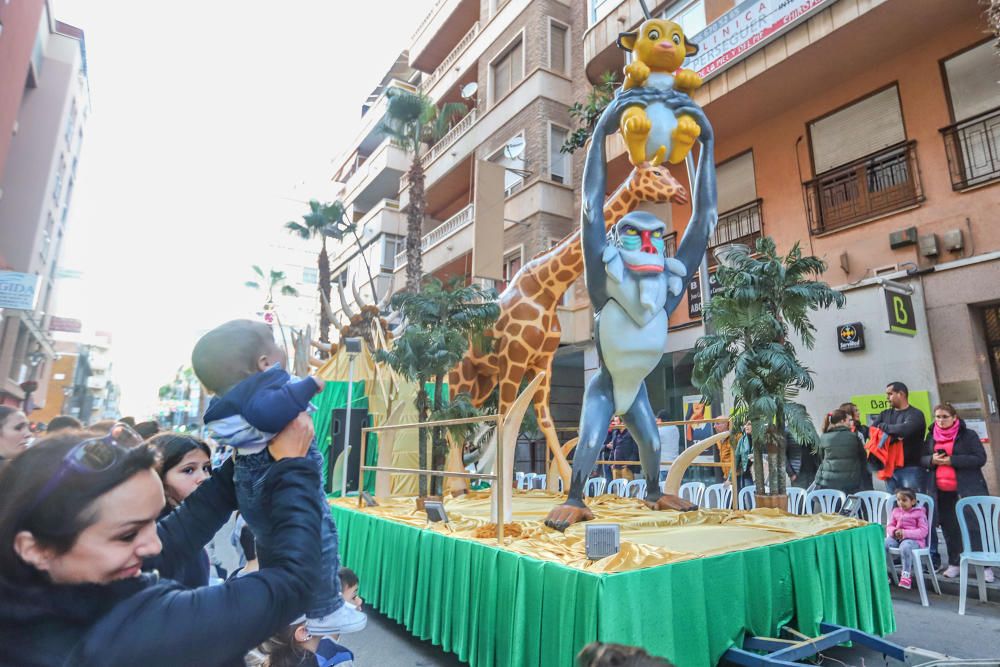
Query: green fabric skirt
point(490, 606)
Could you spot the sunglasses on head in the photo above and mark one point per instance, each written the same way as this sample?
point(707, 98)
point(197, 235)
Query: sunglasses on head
point(94, 455)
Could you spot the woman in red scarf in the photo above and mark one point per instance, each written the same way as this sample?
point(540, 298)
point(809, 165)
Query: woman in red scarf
point(955, 457)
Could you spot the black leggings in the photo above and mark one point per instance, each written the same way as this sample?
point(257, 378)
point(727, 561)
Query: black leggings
point(948, 518)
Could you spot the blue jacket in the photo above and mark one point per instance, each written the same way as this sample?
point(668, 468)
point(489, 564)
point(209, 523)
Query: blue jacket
point(154, 622)
point(268, 400)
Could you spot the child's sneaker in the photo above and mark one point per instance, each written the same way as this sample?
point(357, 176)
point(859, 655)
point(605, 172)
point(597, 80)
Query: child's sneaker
point(344, 620)
point(950, 572)
point(905, 581)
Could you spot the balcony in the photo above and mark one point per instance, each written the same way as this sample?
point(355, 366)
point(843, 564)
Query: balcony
point(440, 30)
point(367, 139)
point(376, 177)
point(868, 188)
point(428, 83)
point(445, 230)
point(973, 149)
point(740, 225)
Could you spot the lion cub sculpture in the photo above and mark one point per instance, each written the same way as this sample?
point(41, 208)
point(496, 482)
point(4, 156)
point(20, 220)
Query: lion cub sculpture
point(659, 47)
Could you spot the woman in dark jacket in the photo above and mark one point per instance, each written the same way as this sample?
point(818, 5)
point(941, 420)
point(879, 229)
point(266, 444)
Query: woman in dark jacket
point(955, 456)
point(842, 461)
point(78, 519)
point(185, 463)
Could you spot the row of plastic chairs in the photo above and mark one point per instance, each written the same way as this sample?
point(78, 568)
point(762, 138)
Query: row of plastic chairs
point(624, 488)
point(525, 481)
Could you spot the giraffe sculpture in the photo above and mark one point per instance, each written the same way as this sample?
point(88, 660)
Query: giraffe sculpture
point(527, 333)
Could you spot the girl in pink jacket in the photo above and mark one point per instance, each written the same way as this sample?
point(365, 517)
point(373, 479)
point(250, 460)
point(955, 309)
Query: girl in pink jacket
point(907, 529)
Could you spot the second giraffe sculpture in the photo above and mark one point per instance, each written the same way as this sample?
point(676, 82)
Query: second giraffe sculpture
point(527, 333)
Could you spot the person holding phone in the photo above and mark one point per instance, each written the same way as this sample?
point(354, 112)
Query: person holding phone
point(956, 458)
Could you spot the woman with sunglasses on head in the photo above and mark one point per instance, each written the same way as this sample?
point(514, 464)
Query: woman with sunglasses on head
point(185, 463)
point(15, 432)
point(78, 519)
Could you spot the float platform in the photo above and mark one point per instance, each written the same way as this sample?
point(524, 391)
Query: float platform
point(685, 586)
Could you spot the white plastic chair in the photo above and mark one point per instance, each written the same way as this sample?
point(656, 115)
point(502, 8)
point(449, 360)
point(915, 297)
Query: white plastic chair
point(539, 481)
point(528, 479)
point(876, 505)
point(636, 489)
point(594, 487)
point(519, 480)
point(692, 492)
point(830, 501)
point(796, 499)
point(927, 502)
point(746, 499)
point(617, 487)
point(719, 496)
point(986, 509)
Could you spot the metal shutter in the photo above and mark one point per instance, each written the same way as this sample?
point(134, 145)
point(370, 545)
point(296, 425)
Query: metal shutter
point(865, 127)
point(974, 81)
point(736, 183)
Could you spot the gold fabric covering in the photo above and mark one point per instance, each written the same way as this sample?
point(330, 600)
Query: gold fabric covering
point(648, 538)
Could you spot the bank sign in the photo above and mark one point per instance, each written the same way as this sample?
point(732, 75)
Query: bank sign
point(744, 29)
point(902, 317)
point(17, 290)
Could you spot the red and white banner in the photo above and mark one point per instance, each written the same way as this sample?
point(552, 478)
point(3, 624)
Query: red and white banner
point(745, 28)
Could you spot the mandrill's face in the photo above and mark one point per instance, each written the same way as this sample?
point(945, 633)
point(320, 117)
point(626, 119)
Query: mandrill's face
point(640, 238)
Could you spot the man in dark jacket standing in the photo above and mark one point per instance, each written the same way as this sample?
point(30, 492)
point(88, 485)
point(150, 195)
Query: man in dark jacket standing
point(907, 423)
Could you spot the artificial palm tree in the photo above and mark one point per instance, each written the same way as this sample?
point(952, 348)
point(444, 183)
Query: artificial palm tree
point(764, 298)
point(441, 322)
point(273, 280)
point(411, 121)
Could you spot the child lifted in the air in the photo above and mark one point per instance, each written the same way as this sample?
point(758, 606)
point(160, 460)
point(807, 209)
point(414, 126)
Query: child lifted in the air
point(255, 398)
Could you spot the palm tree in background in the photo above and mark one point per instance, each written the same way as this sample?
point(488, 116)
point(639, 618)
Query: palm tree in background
point(268, 283)
point(412, 121)
point(762, 300)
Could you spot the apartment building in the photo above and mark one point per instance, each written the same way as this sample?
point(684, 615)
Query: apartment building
point(20, 25)
point(37, 188)
point(851, 128)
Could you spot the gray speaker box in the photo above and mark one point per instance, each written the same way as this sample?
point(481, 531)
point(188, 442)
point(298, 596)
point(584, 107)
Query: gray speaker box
point(602, 540)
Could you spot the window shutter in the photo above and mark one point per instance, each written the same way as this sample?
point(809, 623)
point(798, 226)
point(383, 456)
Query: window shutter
point(736, 183)
point(516, 64)
point(557, 47)
point(865, 127)
point(501, 77)
point(557, 159)
point(974, 81)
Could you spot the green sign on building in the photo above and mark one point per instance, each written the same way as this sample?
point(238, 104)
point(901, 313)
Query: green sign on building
point(902, 318)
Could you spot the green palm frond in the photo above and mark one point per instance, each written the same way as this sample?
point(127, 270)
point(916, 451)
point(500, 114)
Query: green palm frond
point(288, 290)
point(252, 285)
point(256, 269)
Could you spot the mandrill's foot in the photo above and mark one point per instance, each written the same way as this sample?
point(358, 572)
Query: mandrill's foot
point(669, 502)
point(563, 516)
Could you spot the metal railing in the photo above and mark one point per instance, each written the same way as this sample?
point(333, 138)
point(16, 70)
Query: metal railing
point(493, 477)
point(447, 228)
point(973, 149)
point(450, 59)
point(872, 186)
point(460, 128)
point(739, 225)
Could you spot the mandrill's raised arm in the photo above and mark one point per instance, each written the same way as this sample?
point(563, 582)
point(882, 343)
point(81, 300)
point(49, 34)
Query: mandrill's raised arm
point(704, 205)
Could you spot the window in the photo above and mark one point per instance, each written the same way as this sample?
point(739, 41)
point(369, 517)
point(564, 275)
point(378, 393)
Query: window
point(972, 81)
point(507, 70)
point(511, 265)
point(391, 246)
point(860, 129)
point(739, 209)
point(310, 275)
point(342, 278)
point(736, 183)
point(558, 161)
point(558, 43)
point(57, 188)
point(71, 123)
point(513, 179)
point(690, 16)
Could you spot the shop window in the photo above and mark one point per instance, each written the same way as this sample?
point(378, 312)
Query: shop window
point(507, 69)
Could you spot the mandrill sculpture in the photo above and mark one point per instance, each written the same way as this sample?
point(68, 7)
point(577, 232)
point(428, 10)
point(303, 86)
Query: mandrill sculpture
point(633, 287)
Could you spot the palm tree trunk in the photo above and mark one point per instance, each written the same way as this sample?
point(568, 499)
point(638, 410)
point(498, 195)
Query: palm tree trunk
point(778, 486)
point(323, 267)
point(759, 446)
point(415, 225)
point(422, 405)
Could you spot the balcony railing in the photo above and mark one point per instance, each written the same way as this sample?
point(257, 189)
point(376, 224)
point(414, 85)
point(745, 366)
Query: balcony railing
point(973, 148)
point(460, 128)
point(446, 229)
point(449, 59)
point(739, 225)
point(875, 185)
